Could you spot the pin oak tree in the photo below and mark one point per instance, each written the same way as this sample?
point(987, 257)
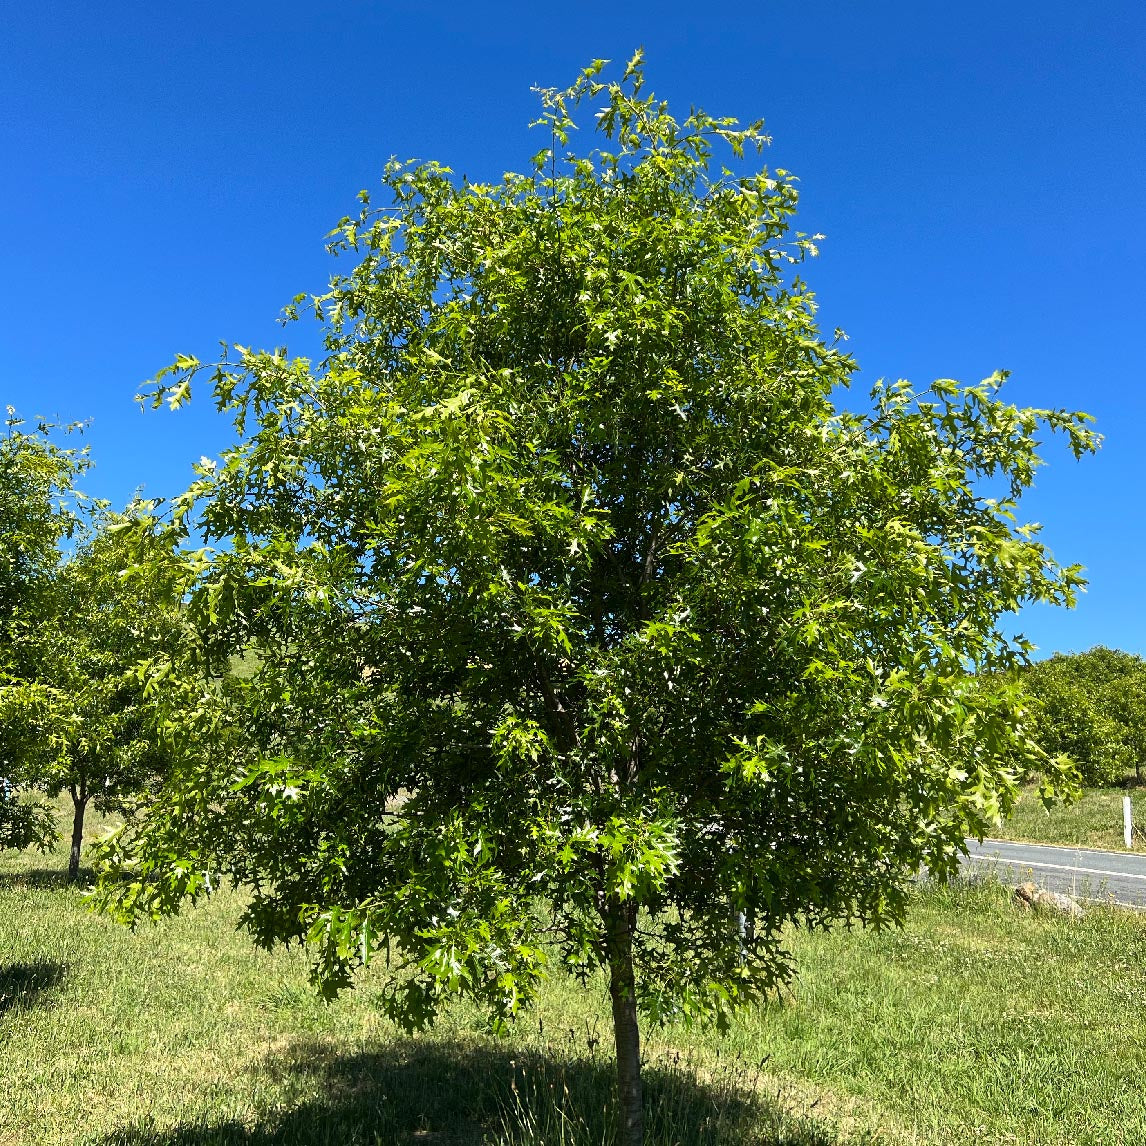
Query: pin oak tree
point(584, 624)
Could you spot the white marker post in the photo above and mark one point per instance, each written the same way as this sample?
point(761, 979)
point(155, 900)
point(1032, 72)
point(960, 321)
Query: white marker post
point(1127, 823)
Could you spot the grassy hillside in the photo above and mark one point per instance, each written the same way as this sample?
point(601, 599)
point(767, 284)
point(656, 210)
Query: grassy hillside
point(974, 1024)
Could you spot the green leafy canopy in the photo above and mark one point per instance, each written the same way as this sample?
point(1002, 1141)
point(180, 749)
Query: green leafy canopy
point(578, 620)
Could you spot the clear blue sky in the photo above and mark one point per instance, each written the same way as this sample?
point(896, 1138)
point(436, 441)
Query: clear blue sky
point(979, 168)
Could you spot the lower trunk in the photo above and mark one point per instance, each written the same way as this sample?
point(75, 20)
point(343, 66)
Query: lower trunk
point(619, 922)
point(80, 806)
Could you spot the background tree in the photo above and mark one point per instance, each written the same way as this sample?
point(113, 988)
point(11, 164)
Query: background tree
point(587, 624)
point(81, 719)
point(1092, 707)
point(37, 513)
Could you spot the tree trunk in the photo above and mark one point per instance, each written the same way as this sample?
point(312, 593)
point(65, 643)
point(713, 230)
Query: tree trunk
point(79, 804)
point(620, 919)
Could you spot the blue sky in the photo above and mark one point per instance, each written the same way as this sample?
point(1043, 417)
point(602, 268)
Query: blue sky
point(979, 170)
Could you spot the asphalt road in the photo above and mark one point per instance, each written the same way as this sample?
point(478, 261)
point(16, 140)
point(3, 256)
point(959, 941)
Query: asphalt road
point(1085, 873)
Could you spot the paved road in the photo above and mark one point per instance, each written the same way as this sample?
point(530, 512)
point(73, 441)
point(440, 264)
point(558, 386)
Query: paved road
point(1085, 873)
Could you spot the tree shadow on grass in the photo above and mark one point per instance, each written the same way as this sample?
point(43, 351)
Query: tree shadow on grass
point(23, 984)
point(428, 1093)
point(40, 878)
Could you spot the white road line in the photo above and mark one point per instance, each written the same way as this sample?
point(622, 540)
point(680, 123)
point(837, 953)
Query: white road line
point(1057, 847)
point(1057, 866)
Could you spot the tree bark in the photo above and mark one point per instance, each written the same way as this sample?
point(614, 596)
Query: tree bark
point(620, 919)
point(79, 804)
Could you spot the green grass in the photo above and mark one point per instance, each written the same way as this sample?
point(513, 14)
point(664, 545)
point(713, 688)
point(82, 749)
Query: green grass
point(977, 1023)
point(1094, 821)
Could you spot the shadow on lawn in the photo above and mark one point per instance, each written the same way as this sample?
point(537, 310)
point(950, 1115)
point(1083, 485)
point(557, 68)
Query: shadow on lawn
point(22, 984)
point(444, 1094)
point(40, 878)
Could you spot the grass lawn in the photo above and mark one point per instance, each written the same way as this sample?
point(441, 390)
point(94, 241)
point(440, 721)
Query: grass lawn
point(974, 1024)
point(1094, 821)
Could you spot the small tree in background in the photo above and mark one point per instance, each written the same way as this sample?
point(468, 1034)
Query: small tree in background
point(37, 513)
point(81, 719)
point(586, 623)
point(1091, 707)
